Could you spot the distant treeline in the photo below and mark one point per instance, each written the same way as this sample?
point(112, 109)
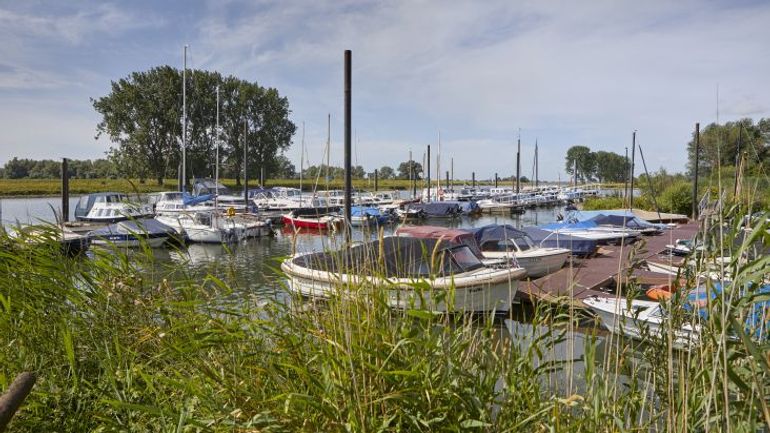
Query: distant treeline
point(50, 169)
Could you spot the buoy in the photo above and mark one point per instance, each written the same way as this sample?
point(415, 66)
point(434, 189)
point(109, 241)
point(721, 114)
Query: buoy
point(231, 211)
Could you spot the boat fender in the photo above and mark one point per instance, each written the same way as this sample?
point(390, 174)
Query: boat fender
point(231, 211)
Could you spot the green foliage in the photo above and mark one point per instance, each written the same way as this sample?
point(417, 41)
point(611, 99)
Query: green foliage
point(49, 169)
point(677, 198)
point(601, 203)
point(121, 343)
point(386, 172)
point(610, 167)
point(143, 112)
point(721, 144)
point(584, 160)
point(407, 170)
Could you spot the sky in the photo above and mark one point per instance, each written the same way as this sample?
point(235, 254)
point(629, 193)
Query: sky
point(480, 74)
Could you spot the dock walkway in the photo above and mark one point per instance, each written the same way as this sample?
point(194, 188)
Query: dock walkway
point(599, 275)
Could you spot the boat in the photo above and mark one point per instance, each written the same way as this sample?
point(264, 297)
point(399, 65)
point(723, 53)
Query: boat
point(500, 241)
point(591, 230)
point(205, 227)
point(133, 233)
point(313, 218)
point(626, 222)
point(639, 318)
point(362, 216)
point(109, 207)
point(411, 273)
point(173, 202)
point(436, 209)
point(577, 246)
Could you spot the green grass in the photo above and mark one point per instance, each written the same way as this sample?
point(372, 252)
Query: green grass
point(122, 343)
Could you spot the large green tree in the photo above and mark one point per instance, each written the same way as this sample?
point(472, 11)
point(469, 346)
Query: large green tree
point(610, 167)
point(142, 116)
point(583, 159)
point(405, 170)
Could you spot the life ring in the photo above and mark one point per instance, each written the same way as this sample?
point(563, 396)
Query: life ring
point(231, 211)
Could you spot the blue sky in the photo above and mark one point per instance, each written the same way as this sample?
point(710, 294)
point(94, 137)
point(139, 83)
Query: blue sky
point(564, 73)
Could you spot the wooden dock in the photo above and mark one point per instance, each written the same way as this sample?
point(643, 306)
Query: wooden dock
point(601, 274)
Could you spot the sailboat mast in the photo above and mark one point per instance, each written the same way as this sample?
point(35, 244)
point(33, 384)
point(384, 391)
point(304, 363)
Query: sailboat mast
point(183, 183)
point(328, 147)
point(216, 164)
point(245, 166)
point(438, 165)
point(518, 164)
point(301, 162)
point(537, 167)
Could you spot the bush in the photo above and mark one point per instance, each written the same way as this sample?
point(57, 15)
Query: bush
point(677, 198)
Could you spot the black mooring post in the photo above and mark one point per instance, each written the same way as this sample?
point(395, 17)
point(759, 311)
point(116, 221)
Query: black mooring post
point(633, 153)
point(414, 180)
point(695, 173)
point(348, 128)
point(448, 188)
point(376, 176)
point(473, 179)
point(262, 175)
point(495, 180)
point(65, 191)
point(428, 200)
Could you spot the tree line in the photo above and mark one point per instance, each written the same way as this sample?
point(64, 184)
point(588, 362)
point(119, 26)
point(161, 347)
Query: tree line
point(18, 168)
point(142, 115)
point(721, 145)
point(600, 165)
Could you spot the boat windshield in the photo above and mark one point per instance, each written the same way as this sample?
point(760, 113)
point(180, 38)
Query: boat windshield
point(465, 259)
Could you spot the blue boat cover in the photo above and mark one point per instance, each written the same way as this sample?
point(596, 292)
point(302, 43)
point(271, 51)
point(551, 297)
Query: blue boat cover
point(757, 323)
point(578, 246)
point(583, 225)
point(496, 232)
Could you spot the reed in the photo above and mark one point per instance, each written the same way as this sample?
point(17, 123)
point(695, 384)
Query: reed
point(121, 343)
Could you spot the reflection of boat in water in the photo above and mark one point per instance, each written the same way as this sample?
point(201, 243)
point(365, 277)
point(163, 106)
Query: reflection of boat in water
point(411, 272)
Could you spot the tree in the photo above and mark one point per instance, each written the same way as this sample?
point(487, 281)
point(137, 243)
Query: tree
point(142, 113)
point(386, 172)
point(610, 167)
point(284, 168)
point(720, 145)
point(404, 171)
point(584, 159)
point(357, 172)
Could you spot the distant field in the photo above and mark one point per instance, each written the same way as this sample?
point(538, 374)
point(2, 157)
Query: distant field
point(42, 187)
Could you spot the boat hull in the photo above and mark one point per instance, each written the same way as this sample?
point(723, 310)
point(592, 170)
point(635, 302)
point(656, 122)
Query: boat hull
point(459, 295)
point(323, 223)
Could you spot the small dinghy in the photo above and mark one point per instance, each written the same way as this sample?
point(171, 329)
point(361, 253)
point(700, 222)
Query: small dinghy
point(133, 233)
point(457, 280)
point(318, 218)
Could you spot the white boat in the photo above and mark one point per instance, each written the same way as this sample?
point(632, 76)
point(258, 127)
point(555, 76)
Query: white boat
point(109, 207)
point(505, 241)
point(174, 202)
point(640, 319)
point(133, 233)
point(449, 278)
point(204, 227)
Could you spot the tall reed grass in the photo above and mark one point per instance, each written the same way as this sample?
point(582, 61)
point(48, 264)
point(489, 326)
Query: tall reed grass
point(121, 343)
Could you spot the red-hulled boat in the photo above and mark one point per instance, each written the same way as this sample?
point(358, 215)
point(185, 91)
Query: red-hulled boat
point(313, 218)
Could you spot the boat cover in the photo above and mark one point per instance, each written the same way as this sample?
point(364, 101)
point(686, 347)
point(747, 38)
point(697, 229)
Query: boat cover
point(371, 211)
point(567, 226)
point(629, 222)
point(757, 323)
point(437, 208)
point(454, 236)
point(189, 200)
point(150, 227)
point(585, 215)
point(497, 233)
point(578, 246)
point(391, 257)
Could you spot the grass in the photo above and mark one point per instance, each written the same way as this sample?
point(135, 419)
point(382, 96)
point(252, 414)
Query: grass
point(122, 343)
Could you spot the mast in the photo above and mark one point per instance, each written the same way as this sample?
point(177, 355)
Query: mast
point(438, 164)
point(328, 147)
point(183, 182)
point(216, 164)
point(537, 167)
point(245, 166)
point(301, 162)
point(518, 165)
point(633, 154)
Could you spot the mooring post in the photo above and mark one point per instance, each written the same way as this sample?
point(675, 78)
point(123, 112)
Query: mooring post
point(695, 173)
point(448, 188)
point(14, 396)
point(473, 179)
point(428, 200)
point(348, 128)
point(633, 153)
point(245, 167)
point(495, 180)
point(65, 191)
point(376, 175)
